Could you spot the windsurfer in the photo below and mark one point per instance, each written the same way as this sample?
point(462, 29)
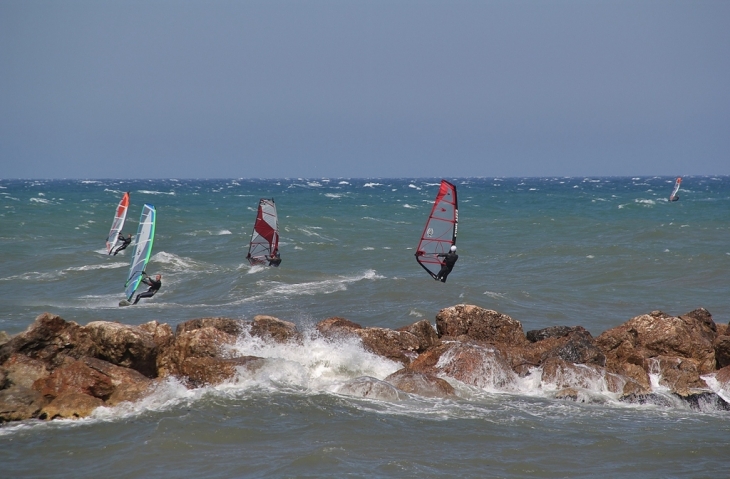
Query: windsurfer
point(154, 286)
point(274, 259)
point(125, 242)
point(448, 264)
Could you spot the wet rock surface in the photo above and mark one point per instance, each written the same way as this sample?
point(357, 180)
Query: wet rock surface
point(59, 369)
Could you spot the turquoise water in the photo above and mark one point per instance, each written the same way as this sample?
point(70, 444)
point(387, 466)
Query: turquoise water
point(546, 251)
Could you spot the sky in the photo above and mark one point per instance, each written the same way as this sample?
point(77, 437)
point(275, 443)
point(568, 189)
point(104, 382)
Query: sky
point(363, 89)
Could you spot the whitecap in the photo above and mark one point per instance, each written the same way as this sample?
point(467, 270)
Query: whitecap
point(148, 192)
point(370, 185)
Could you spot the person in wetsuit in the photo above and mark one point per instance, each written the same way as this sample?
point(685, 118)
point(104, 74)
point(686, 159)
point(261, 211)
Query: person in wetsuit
point(274, 259)
point(449, 262)
point(125, 242)
point(154, 287)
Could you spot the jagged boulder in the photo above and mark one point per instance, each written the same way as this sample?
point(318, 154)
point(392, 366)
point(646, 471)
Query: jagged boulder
point(471, 363)
point(680, 375)
point(19, 402)
point(400, 345)
point(269, 327)
point(721, 345)
point(424, 333)
point(49, 337)
point(210, 371)
point(422, 384)
point(205, 342)
point(657, 334)
point(161, 332)
point(468, 322)
point(75, 376)
point(234, 327)
point(20, 370)
point(397, 346)
point(552, 332)
point(71, 405)
point(123, 345)
point(337, 327)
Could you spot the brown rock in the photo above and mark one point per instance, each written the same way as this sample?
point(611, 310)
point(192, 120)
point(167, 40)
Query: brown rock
point(75, 376)
point(123, 345)
point(551, 332)
point(71, 405)
point(234, 327)
point(24, 371)
point(195, 343)
point(128, 384)
point(723, 377)
point(4, 337)
point(18, 403)
point(161, 332)
point(722, 329)
point(336, 327)
point(425, 334)
point(721, 345)
point(472, 364)
point(658, 334)
point(397, 346)
point(680, 375)
point(49, 337)
point(422, 384)
point(275, 329)
point(563, 374)
point(467, 321)
point(208, 371)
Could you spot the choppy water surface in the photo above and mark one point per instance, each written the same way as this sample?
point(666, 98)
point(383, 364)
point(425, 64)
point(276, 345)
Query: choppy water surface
point(553, 251)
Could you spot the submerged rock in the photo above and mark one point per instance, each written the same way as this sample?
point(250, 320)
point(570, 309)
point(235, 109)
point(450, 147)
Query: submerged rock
point(371, 388)
point(422, 384)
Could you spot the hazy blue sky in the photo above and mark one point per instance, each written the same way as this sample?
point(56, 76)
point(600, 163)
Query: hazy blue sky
point(219, 89)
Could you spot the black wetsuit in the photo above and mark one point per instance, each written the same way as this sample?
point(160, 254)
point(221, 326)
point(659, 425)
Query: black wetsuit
point(154, 286)
point(125, 242)
point(274, 260)
point(449, 262)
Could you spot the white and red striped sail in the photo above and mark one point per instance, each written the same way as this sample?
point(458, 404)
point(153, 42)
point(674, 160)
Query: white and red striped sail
point(265, 236)
point(118, 223)
point(673, 196)
point(440, 231)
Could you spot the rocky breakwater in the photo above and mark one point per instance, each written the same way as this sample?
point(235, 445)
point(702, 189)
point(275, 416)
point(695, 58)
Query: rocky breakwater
point(59, 369)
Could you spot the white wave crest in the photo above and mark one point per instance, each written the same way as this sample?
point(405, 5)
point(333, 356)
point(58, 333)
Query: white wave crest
point(92, 267)
point(178, 263)
point(148, 192)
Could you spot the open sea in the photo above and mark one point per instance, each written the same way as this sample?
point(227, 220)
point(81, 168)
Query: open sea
point(582, 251)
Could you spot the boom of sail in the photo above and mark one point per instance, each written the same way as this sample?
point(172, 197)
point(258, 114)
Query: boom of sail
point(142, 250)
point(265, 236)
point(117, 224)
point(440, 231)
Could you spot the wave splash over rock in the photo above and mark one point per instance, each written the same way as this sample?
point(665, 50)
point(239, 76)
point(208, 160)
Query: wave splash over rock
point(57, 369)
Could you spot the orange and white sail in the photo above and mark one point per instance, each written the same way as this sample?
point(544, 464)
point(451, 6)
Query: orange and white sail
point(118, 224)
